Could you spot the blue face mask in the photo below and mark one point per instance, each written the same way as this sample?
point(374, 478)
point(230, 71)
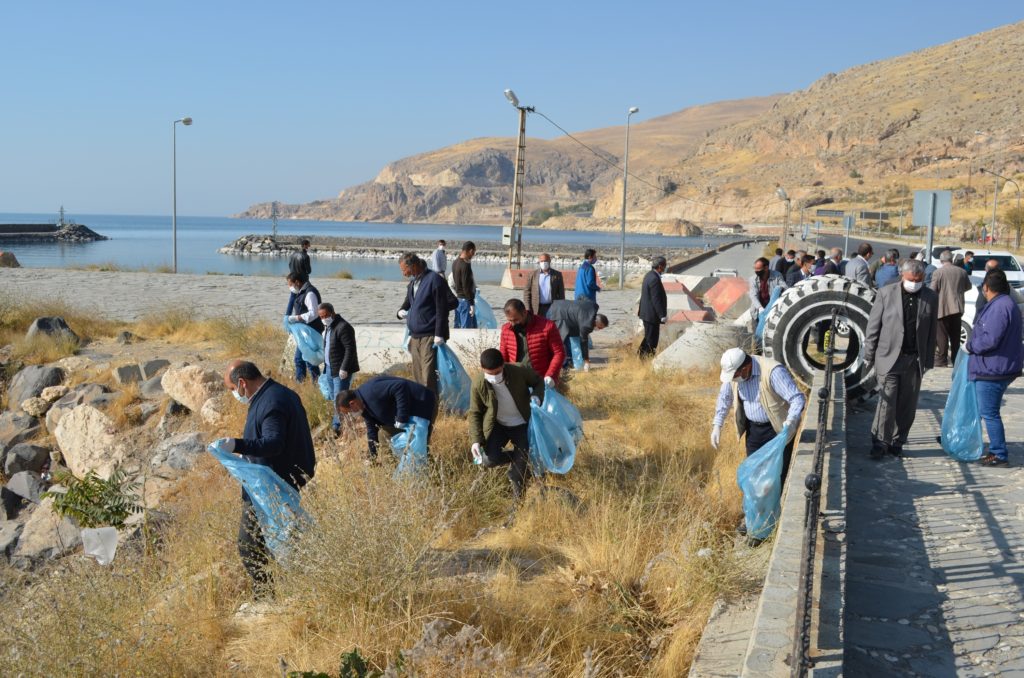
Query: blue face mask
point(239, 397)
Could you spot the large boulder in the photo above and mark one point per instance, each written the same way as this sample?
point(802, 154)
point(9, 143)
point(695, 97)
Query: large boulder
point(28, 485)
point(215, 411)
point(8, 260)
point(192, 385)
point(84, 394)
point(30, 382)
point(179, 452)
point(46, 535)
point(54, 326)
point(10, 530)
point(16, 427)
point(151, 368)
point(152, 389)
point(87, 442)
point(25, 457)
point(127, 374)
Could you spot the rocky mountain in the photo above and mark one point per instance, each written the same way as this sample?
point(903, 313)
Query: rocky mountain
point(861, 138)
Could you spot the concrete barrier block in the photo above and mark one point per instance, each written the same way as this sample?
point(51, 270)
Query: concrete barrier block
point(693, 316)
point(701, 346)
point(381, 347)
point(728, 298)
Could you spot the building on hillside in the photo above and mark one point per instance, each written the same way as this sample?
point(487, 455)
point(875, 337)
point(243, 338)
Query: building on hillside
point(730, 229)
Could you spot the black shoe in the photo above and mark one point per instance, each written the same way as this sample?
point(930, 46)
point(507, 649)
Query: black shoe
point(741, 529)
point(753, 542)
point(896, 450)
point(877, 451)
point(993, 461)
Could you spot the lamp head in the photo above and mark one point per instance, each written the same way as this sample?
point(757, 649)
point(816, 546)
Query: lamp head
point(633, 110)
point(781, 192)
point(512, 98)
point(186, 120)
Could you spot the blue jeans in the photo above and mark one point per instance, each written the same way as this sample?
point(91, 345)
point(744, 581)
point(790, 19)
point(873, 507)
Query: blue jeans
point(337, 386)
point(301, 366)
point(990, 398)
point(462, 317)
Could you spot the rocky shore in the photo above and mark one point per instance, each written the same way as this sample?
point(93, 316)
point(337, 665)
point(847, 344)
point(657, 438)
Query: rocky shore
point(71, 233)
point(562, 256)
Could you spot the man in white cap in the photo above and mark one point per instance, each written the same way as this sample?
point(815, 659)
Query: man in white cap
point(767, 403)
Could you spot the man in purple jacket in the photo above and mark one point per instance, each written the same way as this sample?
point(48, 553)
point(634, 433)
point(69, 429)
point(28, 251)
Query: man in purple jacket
point(997, 358)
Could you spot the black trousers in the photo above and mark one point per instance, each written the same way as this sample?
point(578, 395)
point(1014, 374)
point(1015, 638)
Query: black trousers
point(495, 453)
point(649, 346)
point(253, 549)
point(947, 340)
point(542, 310)
point(759, 434)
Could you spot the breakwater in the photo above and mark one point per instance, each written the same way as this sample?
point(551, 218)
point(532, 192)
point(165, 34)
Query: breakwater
point(72, 233)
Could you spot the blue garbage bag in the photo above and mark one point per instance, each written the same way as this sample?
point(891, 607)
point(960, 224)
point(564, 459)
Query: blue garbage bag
point(576, 349)
point(324, 382)
point(275, 502)
point(452, 379)
point(406, 338)
point(763, 317)
point(961, 421)
point(484, 314)
point(559, 407)
point(760, 478)
point(309, 341)
point(552, 447)
point(410, 446)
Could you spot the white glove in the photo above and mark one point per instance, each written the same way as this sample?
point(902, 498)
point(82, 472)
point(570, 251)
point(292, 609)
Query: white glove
point(549, 382)
point(586, 366)
point(716, 436)
point(293, 318)
point(535, 400)
point(664, 320)
point(402, 313)
point(226, 444)
point(342, 374)
point(478, 455)
point(472, 311)
point(438, 341)
point(400, 426)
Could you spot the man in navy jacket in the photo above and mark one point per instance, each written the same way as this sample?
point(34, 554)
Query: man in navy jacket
point(388, 403)
point(425, 312)
point(653, 307)
point(276, 435)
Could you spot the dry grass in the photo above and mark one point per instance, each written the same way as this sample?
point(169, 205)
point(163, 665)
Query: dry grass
point(613, 581)
point(238, 336)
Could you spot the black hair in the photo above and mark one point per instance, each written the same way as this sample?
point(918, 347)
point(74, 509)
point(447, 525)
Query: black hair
point(589, 252)
point(763, 261)
point(326, 307)
point(441, 242)
point(821, 254)
point(864, 249)
point(491, 359)
point(245, 370)
point(602, 319)
point(778, 251)
point(412, 260)
point(469, 246)
point(516, 304)
point(294, 277)
point(996, 282)
point(345, 398)
point(305, 243)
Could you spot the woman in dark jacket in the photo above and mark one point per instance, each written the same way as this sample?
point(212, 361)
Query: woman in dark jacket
point(341, 359)
point(997, 358)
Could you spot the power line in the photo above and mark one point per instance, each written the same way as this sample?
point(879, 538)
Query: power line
point(612, 163)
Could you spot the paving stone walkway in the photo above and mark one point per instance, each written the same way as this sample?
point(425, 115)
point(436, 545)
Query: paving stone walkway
point(935, 565)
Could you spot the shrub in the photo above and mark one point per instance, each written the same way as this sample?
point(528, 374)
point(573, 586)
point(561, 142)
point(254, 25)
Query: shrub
point(94, 502)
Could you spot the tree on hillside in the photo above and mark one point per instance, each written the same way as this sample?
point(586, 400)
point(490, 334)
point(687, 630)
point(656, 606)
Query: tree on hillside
point(1014, 218)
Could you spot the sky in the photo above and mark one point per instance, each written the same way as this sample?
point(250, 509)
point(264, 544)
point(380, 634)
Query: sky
point(294, 101)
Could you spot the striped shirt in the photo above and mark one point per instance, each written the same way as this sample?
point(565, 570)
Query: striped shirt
point(781, 382)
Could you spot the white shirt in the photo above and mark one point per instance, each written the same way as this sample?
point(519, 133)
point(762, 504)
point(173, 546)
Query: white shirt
point(781, 382)
point(544, 285)
point(508, 413)
point(310, 303)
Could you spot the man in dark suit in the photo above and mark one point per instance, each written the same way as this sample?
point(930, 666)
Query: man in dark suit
point(900, 344)
point(277, 435)
point(544, 286)
point(425, 312)
point(653, 307)
point(388, 403)
point(577, 319)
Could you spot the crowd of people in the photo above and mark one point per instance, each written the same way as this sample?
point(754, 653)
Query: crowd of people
point(534, 348)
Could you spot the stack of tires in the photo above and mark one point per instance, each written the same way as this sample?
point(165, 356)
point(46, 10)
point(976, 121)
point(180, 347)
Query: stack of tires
point(806, 308)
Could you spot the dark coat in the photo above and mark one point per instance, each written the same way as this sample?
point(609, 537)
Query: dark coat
point(298, 264)
point(340, 347)
point(387, 400)
point(465, 284)
point(575, 319)
point(277, 434)
point(428, 310)
point(653, 300)
point(531, 293)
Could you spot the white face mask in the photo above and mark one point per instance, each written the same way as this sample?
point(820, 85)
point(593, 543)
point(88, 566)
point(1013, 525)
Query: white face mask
point(912, 287)
point(545, 265)
point(327, 321)
point(494, 378)
point(239, 397)
point(293, 290)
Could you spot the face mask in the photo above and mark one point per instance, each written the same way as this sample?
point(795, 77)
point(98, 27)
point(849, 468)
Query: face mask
point(240, 398)
point(293, 290)
point(545, 265)
point(763, 273)
point(737, 378)
point(912, 287)
point(494, 378)
point(327, 322)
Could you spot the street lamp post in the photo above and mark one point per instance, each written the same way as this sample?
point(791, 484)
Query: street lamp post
point(174, 189)
point(516, 240)
point(625, 175)
point(1009, 181)
point(784, 197)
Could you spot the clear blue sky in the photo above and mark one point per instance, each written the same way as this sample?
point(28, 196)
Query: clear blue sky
point(294, 101)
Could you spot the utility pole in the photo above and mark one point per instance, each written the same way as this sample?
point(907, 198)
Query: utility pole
point(995, 206)
point(516, 242)
point(273, 217)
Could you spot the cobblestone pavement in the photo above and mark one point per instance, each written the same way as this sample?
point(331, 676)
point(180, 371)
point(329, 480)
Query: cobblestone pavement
point(934, 561)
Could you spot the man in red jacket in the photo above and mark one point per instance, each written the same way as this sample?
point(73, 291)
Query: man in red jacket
point(531, 340)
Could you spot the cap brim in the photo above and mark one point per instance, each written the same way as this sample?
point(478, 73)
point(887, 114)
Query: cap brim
point(727, 376)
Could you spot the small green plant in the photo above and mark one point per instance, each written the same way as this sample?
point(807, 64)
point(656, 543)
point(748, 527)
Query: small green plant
point(94, 502)
point(352, 666)
point(343, 275)
point(854, 174)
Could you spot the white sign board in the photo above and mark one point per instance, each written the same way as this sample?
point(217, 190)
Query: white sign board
point(932, 208)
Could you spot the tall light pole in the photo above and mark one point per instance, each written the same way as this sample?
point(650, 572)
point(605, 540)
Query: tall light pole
point(516, 241)
point(625, 175)
point(784, 197)
point(1009, 181)
point(174, 188)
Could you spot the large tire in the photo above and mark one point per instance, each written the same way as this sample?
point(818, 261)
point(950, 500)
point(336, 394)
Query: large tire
point(809, 303)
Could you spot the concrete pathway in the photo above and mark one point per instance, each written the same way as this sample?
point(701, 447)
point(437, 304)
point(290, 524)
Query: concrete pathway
point(935, 566)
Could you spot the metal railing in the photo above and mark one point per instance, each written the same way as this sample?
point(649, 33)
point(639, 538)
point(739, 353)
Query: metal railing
point(801, 656)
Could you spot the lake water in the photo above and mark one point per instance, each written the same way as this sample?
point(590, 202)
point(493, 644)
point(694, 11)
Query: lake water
point(145, 241)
